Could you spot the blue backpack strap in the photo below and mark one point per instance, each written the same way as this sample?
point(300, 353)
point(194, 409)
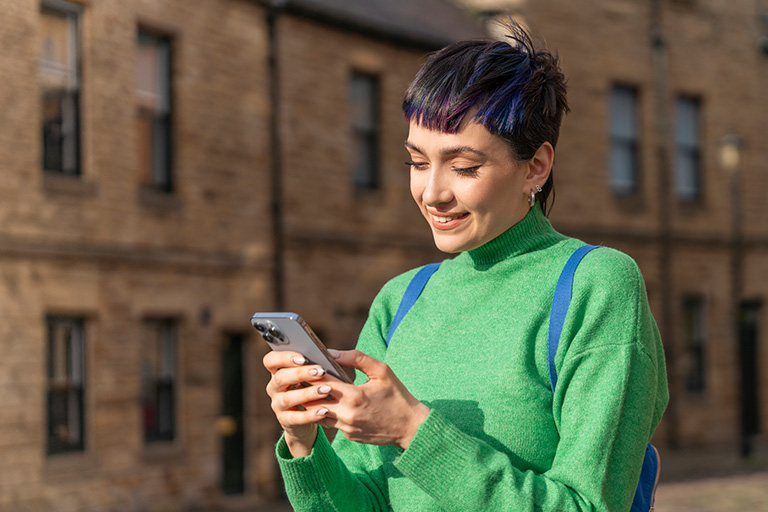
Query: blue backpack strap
point(645, 494)
point(410, 296)
point(560, 303)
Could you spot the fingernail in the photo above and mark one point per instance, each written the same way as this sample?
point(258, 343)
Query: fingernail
point(334, 353)
point(322, 412)
point(324, 390)
point(317, 371)
point(299, 360)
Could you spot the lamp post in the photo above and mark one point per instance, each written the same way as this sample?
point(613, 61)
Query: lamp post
point(729, 155)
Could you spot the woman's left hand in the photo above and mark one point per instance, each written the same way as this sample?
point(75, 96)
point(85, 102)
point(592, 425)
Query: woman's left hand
point(381, 411)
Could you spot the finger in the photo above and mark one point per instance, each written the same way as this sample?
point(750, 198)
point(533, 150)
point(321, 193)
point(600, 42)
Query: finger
point(295, 418)
point(292, 378)
point(361, 361)
point(307, 397)
point(277, 359)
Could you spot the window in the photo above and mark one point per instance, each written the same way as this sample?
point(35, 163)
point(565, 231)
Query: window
point(59, 70)
point(687, 148)
point(363, 106)
point(158, 379)
point(695, 345)
point(153, 96)
point(624, 158)
point(66, 378)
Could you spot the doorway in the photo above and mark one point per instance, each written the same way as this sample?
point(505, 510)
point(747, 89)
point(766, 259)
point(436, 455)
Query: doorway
point(748, 330)
point(231, 425)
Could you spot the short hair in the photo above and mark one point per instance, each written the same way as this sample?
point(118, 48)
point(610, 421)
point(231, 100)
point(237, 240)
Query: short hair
point(512, 88)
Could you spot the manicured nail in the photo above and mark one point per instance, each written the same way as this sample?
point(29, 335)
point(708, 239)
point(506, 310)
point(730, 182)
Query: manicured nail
point(317, 371)
point(299, 360)
point(324, 390)
point(334, 353)
point(322, 412)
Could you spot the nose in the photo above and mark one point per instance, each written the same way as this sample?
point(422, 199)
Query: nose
point(437, 188)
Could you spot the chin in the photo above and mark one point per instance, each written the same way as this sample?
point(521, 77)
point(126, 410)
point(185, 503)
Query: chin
point(451, 246)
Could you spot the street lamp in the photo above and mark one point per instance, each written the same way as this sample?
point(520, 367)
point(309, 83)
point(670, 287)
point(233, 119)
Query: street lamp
point(729, 156)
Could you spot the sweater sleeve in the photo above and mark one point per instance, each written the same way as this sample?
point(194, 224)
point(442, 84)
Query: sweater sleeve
point(610, 395)
point(345, 476)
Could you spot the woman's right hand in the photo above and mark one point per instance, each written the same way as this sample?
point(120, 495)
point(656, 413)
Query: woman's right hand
point(296, 407)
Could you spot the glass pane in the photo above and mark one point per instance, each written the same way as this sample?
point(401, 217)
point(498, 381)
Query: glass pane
point(58, 51)
point(686, 176)
point(687, 133)
point(362, 101)
point(623, 171)
point(624, 113)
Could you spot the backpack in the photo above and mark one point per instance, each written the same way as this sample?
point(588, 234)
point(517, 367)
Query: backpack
point(649, 474)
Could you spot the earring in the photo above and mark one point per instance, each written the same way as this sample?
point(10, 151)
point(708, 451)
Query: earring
point(532, 196)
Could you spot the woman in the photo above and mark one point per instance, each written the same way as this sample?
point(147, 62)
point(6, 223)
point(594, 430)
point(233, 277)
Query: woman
point(457, 412)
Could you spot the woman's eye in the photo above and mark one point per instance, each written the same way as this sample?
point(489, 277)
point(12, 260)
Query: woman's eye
point(467, 171)
point(419, 166)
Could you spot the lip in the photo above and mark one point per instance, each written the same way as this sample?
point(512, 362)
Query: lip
point(445, 221)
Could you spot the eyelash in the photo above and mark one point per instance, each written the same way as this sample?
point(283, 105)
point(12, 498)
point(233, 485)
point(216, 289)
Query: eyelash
point(465, 171)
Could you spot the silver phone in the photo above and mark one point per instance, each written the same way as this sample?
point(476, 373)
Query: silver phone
point(288, 331)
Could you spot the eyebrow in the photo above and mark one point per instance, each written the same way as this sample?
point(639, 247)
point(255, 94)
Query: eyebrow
point(449, 151)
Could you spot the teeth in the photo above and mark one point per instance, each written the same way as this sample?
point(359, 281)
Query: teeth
point(443, 220)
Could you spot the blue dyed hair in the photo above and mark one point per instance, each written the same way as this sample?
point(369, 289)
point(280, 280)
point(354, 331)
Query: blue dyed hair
point(513, 89)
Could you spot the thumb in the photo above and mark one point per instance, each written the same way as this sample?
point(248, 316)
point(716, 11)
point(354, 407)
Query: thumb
point(373, 368)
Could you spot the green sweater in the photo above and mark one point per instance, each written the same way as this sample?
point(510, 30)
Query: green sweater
point(474, 349)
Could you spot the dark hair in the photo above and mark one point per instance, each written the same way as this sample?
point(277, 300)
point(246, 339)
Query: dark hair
point(513, 89)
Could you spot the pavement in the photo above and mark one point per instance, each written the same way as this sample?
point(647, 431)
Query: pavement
point(742, 493)
point(732, 493)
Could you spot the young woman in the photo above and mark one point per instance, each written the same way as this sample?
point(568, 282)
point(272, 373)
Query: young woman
point(457, 412)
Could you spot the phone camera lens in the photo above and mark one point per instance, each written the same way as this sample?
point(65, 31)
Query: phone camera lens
point(268, 337)
point(274, 331)
point(260, 327)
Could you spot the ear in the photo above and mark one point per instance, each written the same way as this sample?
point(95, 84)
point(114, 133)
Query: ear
point(540, 166)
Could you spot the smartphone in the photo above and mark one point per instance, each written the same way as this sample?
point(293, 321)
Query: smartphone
point(288, 331)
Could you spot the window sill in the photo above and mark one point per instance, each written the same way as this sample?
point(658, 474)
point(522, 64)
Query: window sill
point(163, 451)
point(158, 200)
point(59, 183)
point(66, 465)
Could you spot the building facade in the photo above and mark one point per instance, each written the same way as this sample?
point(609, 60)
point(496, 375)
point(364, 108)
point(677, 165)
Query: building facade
point(169, 169)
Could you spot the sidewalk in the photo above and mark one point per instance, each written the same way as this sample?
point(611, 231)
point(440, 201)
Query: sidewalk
point(742, 493)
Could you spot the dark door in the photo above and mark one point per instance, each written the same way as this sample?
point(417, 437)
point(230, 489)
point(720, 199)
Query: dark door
point(230, 424)
point(749, 314)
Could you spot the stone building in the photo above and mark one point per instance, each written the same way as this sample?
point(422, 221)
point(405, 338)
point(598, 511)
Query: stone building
point(663, 157)
point(169, 168)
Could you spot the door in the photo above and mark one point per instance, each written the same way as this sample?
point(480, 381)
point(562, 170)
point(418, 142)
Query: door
point(749, 315)
point(230, 424)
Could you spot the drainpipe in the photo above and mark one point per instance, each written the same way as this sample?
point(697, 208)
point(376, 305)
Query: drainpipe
point(278, 236)
point(660, 65)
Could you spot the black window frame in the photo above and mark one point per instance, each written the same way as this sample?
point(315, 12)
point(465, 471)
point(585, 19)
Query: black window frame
point(365, 130)
point(160, 391)
point(64, 391)
point(55, 143)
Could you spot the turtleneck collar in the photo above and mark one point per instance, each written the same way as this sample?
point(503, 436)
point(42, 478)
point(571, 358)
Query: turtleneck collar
point(531, 233)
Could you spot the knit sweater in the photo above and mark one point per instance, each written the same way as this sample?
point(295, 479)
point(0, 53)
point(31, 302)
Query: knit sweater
point(474, 349)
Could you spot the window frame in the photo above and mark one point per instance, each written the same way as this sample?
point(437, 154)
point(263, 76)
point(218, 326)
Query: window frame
point(69, 100)
point(696, 347)
point(163, 389)
point(689, 150)
point(158, 174)
point(74, 390)
point(365, 135)
point(625, 143)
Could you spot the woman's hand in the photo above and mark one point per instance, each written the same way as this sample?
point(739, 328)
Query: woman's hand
point(298, 408)
point(381, 411)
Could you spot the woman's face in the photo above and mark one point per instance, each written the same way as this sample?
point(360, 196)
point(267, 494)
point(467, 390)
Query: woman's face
point(467, 185)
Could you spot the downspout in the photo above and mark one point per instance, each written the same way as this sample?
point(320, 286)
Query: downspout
point(660, 64)
point(278, 236)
